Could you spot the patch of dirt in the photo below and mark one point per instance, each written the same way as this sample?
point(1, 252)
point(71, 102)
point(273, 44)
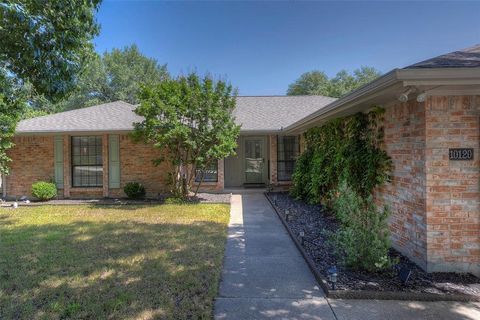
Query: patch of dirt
point(317, 223)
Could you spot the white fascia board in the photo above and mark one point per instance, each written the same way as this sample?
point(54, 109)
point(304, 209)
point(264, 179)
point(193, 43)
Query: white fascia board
point(441, 76)
point(404, 77)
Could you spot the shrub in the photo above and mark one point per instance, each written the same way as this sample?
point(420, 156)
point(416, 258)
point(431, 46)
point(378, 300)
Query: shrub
point(346, 149)
point(44, 190)
point(134, 190)
point(363, 240)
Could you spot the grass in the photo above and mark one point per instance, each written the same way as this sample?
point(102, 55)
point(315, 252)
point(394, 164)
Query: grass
point(125, 262)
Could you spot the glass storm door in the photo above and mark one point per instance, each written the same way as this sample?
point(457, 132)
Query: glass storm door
point(254, 160)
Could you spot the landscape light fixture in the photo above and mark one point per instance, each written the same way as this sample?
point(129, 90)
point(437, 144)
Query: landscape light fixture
point(301, 235)
point(332, 276)
point(403, 273)
point(287, 215)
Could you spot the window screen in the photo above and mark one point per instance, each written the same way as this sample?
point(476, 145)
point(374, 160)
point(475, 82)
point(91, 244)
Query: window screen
point(87, 162)
point(287, 151)
point(210, 174)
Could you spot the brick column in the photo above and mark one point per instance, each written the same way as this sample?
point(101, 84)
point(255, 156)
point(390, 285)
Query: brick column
point(273, 159)
point(452, 187)
point(105, 165)
point(221, 175)
point(67, 176)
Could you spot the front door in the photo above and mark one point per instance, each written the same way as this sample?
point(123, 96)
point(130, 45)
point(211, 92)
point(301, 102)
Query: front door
point(254, 160)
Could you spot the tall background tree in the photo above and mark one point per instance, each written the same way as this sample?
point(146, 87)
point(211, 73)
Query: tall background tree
point(191, 117)
point(44, 44)
point(318, 83)
point(116, 75)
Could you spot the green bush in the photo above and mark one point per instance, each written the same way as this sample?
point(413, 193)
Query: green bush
point(44, 190)
point(346, 149)
point(134, 190)
point(363, 240)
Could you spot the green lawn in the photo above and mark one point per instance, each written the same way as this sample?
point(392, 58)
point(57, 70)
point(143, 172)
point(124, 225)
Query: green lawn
point(125, 262)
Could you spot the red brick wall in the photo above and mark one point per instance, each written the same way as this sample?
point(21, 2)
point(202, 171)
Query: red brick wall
point(435, 202)
point(405, 142)
point(32, 161)
point(453, 197)
point(136, 165)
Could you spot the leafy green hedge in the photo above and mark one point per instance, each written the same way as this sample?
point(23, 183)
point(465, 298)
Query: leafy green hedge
point(346, 149)
point(342, 165)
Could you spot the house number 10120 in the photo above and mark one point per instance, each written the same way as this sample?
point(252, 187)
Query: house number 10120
point(460, 154)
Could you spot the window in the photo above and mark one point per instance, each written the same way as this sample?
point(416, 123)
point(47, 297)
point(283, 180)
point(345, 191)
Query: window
point(210, 174)
point(287, 151)
point(87, 162)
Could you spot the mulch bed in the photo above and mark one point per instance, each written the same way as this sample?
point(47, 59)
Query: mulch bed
point(317, 223)
point(200, 198)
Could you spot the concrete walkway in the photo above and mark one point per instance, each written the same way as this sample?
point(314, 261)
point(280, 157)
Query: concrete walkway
point(265, 277)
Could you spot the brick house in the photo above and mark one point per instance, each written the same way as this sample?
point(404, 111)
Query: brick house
point(432, 130)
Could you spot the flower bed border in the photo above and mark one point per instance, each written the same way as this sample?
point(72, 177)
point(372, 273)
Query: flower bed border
point(366, 294)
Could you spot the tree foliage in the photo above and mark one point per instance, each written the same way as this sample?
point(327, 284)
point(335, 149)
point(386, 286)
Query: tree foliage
point(11, 109)
point(191, 117)
point(43, 47)
point(317, 82)
point(116, 75)
point(46, 42)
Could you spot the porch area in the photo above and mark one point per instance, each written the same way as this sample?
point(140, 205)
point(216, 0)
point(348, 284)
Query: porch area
point(261, 161)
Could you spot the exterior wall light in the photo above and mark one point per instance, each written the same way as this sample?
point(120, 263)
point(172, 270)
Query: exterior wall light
point(332, 276)
point(422, 97)
point(404, 96)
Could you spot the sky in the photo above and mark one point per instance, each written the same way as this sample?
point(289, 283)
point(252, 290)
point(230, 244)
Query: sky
point(262, 47)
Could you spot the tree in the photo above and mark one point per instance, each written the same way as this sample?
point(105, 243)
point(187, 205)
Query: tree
point(44, 44)
point(117, 75)
point(11, 107)
point(190, 119)
point(318, 83)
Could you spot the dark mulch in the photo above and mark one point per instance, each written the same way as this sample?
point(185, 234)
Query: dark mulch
point(201, 197)
point(317, 223)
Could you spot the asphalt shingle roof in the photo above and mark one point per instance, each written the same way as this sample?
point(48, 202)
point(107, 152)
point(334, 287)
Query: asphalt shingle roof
point(265, 113)
point(465, 58)
point(271, 113)
point(113, 116)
